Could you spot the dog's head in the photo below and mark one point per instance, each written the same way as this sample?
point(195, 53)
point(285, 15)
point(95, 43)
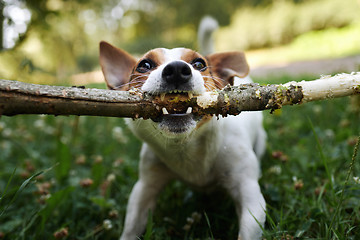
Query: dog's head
point(171, 71)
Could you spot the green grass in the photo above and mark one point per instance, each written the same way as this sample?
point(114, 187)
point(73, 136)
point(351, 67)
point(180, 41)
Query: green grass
point(74, 175)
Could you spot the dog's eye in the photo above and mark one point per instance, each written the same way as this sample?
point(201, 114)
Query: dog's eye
point(144, 66)
point(199, 64)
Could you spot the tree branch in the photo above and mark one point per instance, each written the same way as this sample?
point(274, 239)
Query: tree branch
point(24, 98)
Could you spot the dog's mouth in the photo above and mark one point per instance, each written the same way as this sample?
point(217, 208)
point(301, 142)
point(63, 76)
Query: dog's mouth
point(171, 100)
point(176, 113)
point(176, 120)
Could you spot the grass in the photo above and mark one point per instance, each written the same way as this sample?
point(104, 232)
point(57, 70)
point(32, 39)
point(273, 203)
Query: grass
point(313, 45)
point(324, 44)
point(70, 178)
point(287, 31)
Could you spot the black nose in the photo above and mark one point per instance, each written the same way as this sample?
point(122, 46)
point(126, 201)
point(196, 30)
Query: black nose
point(177, 73)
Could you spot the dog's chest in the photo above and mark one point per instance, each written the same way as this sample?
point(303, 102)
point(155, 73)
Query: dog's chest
point(192, 162)
point(191, 158)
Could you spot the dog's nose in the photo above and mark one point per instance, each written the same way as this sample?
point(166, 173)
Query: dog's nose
point(177, 73)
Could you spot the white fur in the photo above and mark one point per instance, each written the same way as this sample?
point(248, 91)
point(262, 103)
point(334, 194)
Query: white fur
point(207, 27)
point(172, 54)
point(223, 152)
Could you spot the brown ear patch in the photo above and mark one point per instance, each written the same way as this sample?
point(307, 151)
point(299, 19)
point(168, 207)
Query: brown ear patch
point(116, 65)
point(228, 65)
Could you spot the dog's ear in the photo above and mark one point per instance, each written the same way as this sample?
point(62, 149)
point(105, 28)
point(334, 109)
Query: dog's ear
point(228, 65)
point(116, 65)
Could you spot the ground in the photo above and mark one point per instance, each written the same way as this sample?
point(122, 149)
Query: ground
point(313, 67)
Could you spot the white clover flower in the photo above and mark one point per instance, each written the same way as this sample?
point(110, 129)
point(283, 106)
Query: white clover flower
point(5, 145)
point(2, 126)
point(118, 135)
point(196, 216)
point(49, 130)
point(7, 132)
point(64, 140)
point(107, 224)
point(45, 197)
point(190, 220)
point(40, 123)
point(275, 170)
point(329, 133)
point(98, 159)
point(111, 177)
point(317, 109)
point(357, 180)
point(73, 172)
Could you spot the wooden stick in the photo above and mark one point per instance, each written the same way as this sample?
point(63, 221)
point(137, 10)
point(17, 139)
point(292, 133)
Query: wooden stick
point(24, 98)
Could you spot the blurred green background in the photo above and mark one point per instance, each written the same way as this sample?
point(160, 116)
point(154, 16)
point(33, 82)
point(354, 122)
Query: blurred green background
point(70, 177)
point(51, 40)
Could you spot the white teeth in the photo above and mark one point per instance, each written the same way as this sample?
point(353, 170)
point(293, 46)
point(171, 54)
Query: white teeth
point(162, 96)
point(190, 95)
point(165, 112)
point(189, 110)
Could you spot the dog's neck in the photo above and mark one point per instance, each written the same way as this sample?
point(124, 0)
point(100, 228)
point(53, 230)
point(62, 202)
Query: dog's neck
point(190, 155)
point(149, 132)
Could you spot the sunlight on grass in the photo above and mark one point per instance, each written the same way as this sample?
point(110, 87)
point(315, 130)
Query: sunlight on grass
point(286, 31)
point(330, 43)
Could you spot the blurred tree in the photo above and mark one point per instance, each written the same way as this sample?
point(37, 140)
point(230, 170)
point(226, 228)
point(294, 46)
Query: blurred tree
point(53, 42)
point(176, 21)
point(1, 25)
point(62, 36)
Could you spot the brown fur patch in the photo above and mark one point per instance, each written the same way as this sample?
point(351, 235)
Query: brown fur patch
point(156, 55)
point(210, 82)
point(226, 66)
point(204, 120)
point(189, 55)
point(137, 79)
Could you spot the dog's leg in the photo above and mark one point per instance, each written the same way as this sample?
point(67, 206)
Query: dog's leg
point(252, 210)
point(249, 202)
point(153, 177)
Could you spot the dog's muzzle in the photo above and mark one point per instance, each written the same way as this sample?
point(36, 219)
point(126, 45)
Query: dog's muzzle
point(176, 77)
point(176, 74)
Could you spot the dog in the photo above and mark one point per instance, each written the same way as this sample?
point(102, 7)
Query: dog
point(201, 151)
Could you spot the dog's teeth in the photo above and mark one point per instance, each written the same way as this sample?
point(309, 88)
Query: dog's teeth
point(162, 96)
point(190, 95)
point(189, 110)
point(165, 112)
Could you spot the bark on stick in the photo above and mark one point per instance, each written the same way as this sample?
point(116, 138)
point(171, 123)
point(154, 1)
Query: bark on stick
point(24, 98)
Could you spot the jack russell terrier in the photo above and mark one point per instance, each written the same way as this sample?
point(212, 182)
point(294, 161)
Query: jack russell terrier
point(201, 151)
